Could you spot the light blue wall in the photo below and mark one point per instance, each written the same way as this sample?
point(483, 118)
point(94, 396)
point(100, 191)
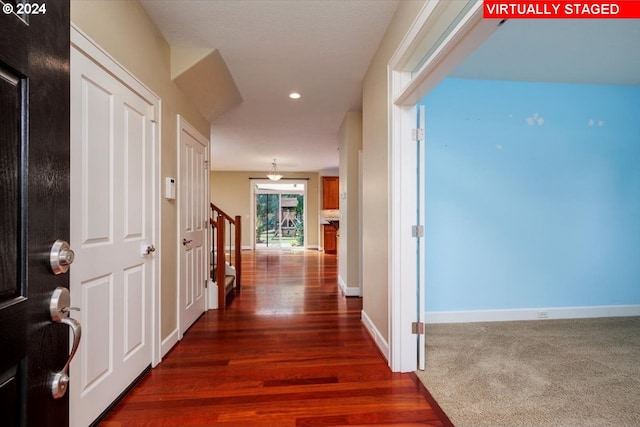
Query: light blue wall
point(532, 195)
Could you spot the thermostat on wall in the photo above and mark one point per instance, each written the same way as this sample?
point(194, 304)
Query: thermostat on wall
point(170, 188)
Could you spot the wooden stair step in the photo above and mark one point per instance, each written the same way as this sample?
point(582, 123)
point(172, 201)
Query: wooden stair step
point(228, 284)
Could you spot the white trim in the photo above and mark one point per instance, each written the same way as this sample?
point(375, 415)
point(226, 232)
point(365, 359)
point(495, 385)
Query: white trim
point(532, 314)
point(360, 217)
point(212, 295)
point(403, 258)
point(103, 59)
point(242, 248)
point(156, 297)
point(466, 37)
point(170, 341)
point(252, 209)
point(421, 262)
point(377, 337)
point(348, 291)
point(252, 215)
point(233, 248)
point(84, 44)
point(409, 47)
point(404, 91)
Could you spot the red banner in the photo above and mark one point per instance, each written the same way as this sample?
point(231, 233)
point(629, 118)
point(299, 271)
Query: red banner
point(518, 9)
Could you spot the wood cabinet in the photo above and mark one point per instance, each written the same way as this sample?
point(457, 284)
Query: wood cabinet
point(330, 192)
point(330, 239)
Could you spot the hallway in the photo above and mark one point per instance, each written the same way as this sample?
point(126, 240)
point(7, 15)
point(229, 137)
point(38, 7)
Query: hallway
point(290, 351)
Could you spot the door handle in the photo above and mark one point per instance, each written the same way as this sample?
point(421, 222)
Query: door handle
point(148, 249)
point(185, 242)
point(59, 310)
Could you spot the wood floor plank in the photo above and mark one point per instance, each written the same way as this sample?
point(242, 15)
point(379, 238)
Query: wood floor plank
point(290, 351)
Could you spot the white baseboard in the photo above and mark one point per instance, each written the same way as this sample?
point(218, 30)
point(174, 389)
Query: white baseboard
point(383, 346)
point(233, 248)
point(212, 295)
point(348, 291)
point(250, 248)
point(168, 343)
point(532, 314)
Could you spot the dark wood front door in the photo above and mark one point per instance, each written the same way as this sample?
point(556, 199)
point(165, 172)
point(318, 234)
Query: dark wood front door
point(34, 212)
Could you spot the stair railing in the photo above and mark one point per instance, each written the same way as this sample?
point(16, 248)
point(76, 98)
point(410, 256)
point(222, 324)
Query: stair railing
point(217, 227)
point(233, 237)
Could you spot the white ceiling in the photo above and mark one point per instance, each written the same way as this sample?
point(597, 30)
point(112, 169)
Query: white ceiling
point(557, 50)
point(320, 48)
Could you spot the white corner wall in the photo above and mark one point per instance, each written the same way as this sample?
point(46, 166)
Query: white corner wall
point(349, 240)
point(375, 173)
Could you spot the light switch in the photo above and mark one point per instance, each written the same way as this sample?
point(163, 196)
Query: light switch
point(170, 188)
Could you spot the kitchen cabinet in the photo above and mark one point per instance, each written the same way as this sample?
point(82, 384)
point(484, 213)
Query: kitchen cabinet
point(330, 239)
point(330, 192)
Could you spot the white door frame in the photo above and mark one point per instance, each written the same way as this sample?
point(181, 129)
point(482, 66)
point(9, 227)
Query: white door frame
point(84, 44)
point(252, 205)
point(406, 88)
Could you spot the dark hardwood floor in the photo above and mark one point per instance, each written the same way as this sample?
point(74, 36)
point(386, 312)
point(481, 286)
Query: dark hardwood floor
point(290, 351)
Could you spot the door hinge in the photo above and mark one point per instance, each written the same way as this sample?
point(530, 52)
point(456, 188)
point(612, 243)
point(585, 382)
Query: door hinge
point(417, 231)
point(417, 134)
point(417, 328)
point(206, 164)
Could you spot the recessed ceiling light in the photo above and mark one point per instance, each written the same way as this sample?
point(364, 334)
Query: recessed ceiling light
point(294, 95)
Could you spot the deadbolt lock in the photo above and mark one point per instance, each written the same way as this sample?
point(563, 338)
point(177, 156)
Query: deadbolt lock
point(60, 257)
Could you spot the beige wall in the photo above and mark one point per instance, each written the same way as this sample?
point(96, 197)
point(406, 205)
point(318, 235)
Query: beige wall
point(349, 241)
point(375, 188)
point(123, 29)
point(231, 192)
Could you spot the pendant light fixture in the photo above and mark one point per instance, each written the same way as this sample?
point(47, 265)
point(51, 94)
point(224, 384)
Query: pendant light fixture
point(274, 175)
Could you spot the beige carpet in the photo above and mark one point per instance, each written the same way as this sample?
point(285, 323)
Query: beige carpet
point(583, 372)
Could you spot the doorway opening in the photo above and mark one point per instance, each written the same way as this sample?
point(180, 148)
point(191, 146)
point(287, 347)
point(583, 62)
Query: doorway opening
point(279, 215)
point(442, 35)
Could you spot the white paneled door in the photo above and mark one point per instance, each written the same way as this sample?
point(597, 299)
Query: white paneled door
point(112, 137)
point(193, 197)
